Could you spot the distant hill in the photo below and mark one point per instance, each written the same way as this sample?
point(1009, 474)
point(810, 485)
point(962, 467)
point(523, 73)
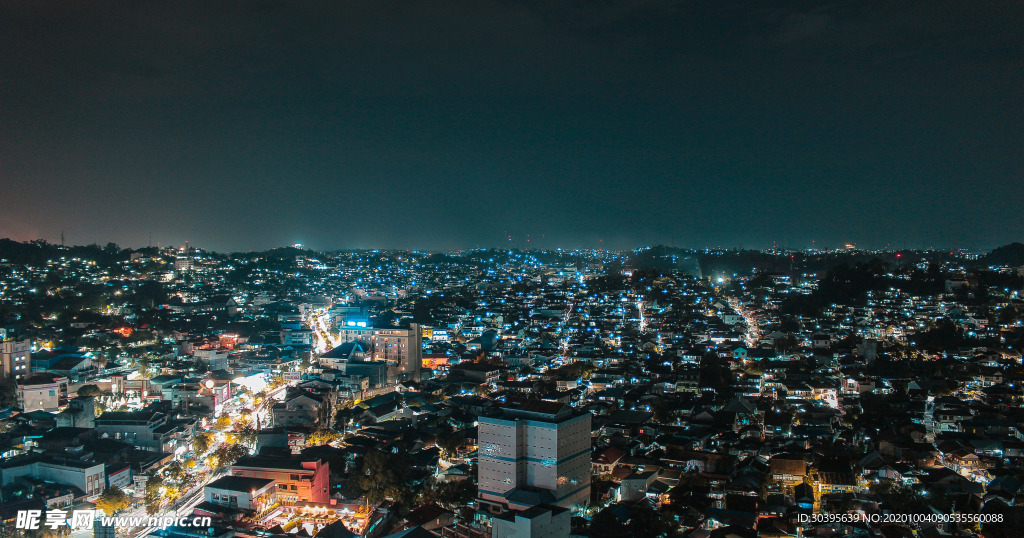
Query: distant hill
point(29, 252)
point(1012, 255)
point(38, 252)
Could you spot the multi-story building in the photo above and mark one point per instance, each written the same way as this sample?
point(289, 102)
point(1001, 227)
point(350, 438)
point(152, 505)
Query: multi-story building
point(183, 261)
point(401, 349)
point(297, 480)
point(535, 522)
point(16, 358)
point(210, 394)
point(88, 476)
point(353, 331)
point(534, 453)
point(213, 359)
point(300, 408)
point(146, 428)
point(80, 413)
point(296, 335)
point(477, 372)
point(253, 494)
point(41, 392)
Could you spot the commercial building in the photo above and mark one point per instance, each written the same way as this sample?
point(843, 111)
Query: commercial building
point(132, 388)
point(252, 494)
point(146, 428)
point(534, 453)
point(297, 480)
point(300, 408)
point(400, 349)
point(88, 476)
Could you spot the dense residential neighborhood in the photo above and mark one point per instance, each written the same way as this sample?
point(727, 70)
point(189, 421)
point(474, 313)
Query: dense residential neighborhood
point(653, 392)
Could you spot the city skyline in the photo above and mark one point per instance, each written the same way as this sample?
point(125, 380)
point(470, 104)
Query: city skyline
point(523, 246)
point(510, 394)
point(384, 125)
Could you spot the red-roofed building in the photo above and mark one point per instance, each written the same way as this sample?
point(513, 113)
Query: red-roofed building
point(604, 461)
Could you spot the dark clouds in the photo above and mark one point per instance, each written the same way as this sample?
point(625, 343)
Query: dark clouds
point(445, 124)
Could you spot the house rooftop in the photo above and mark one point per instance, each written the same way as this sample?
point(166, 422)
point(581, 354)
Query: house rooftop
point(240, 483)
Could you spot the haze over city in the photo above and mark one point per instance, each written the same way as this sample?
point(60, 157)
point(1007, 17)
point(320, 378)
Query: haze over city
point(438, 125)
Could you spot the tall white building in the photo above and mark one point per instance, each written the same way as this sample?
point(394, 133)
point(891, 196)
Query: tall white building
point(534, 453)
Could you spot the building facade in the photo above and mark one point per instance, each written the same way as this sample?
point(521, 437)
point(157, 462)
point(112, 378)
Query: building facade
point(146, 428)
point(16, 357)
point(41, 393)
point(253, 494)
point(402, 350)
point(88, 476)
point(533, 454)
point(536, 522)
point(297, 480)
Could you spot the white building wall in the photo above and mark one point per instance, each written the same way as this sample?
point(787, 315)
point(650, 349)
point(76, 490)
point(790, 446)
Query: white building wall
point(545, 455)
point(542, 526)
point(92, 480)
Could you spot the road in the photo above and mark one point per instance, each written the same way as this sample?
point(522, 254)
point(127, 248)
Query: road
point(187, 504)
point(181, 508)
point(323, 338)
point(753, 329)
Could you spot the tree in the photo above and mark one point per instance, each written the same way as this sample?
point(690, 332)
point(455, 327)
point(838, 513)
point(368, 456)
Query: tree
point(89, 391)
point(449, 442)
point(1009, 315)
point(450, 495)
point(98, 407)
point(248, 436)
point(146, 371)
point(112, 500)
point(8, 392)
point(153, 497)
point(223, 423)
point(276, 381)
point(786, 343)
point(226, 455)
point(175, 471)
point(321, 436)
point(605, 523)
point(378, 479)
point(662, 412)
point(201, 443)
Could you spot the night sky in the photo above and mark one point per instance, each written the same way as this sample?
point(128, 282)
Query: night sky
point(440, 124)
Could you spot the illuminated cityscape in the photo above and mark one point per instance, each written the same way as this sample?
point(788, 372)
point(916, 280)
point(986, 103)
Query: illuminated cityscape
point(643, 392)
point(511, 269)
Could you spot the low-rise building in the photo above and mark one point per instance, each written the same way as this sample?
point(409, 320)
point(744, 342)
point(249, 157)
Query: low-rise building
point(88, 476)
point(41, 392)
point(241, 492)
point(297, 480)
